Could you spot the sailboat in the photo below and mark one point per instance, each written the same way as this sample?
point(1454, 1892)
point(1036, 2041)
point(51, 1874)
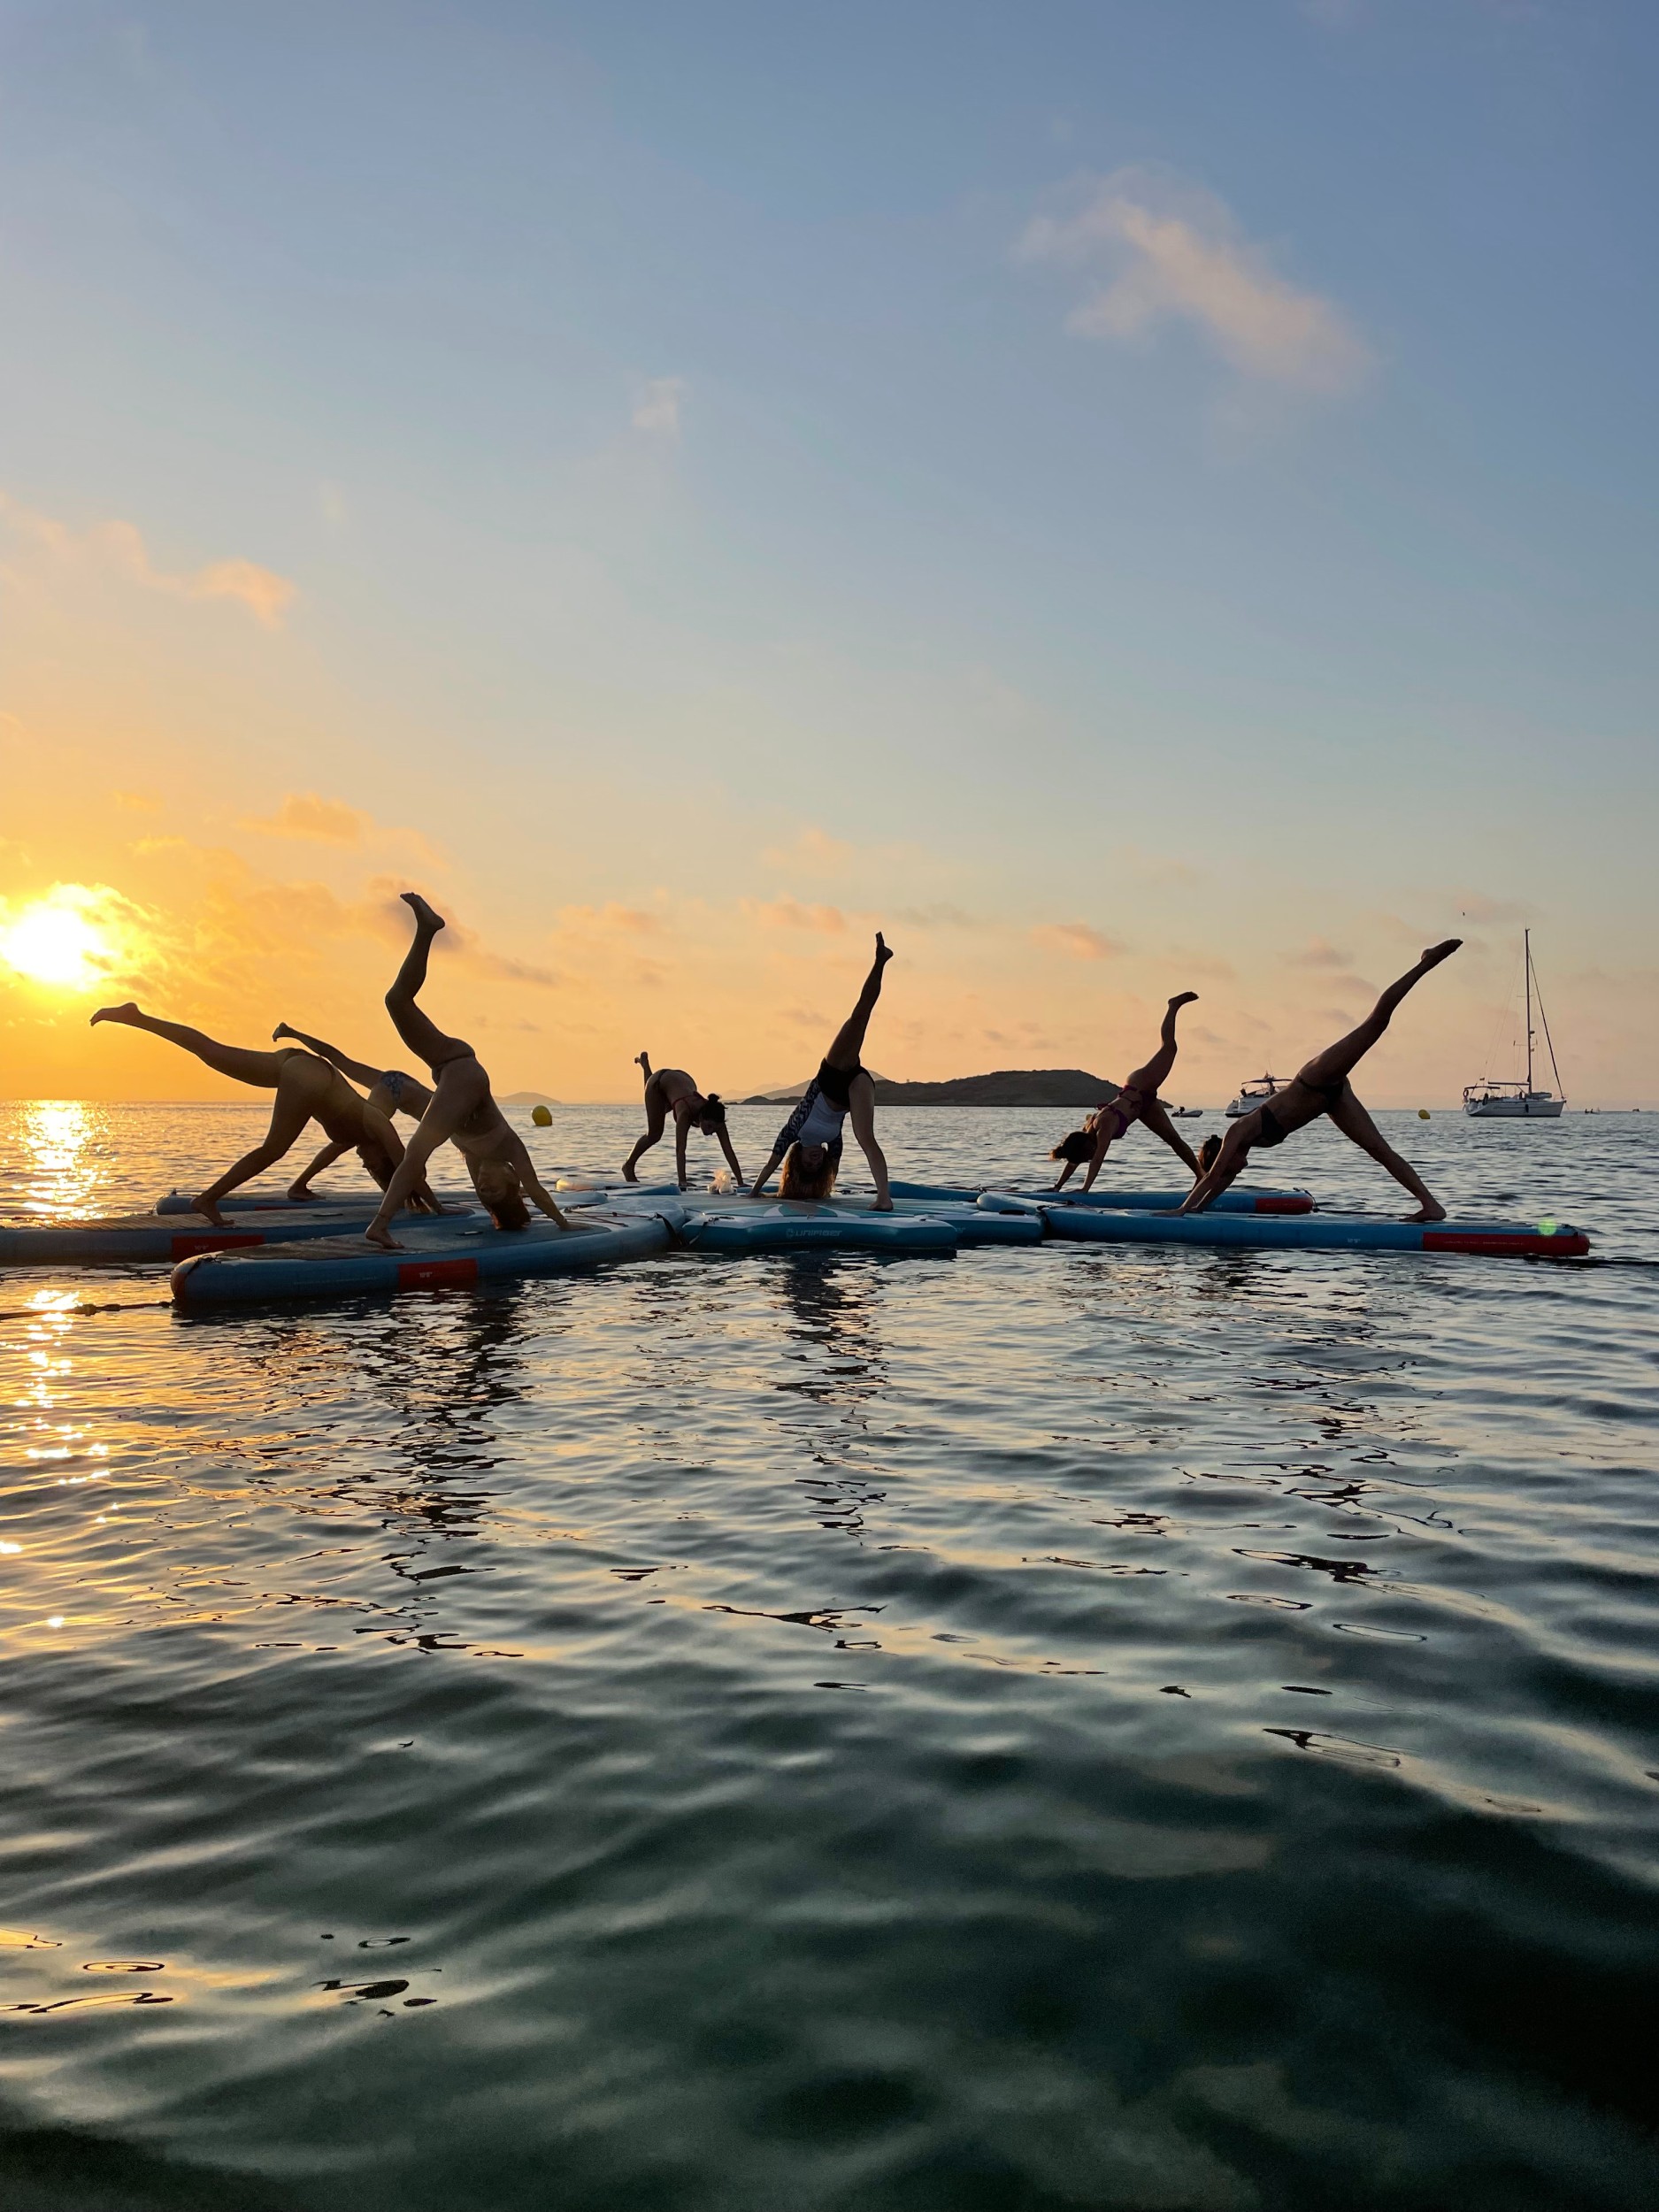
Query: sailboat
point(1517, 1101)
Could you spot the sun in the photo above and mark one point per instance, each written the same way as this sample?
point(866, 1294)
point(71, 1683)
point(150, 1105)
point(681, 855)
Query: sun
point(59, 940)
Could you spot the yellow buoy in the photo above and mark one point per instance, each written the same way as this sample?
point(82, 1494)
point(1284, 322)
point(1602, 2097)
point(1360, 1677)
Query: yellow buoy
point(540, 1117)
point(1423, 1113)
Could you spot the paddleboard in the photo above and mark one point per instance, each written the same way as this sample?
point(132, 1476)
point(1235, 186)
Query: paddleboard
point(173, 1237)
point(1547, 1240)
point(435, 1255)
point(1235, 1200)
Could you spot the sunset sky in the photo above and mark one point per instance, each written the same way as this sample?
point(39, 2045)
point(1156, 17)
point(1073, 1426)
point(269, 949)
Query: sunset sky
point(1125, 496)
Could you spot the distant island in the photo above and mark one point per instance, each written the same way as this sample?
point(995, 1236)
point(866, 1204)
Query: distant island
point(529, 1098)
point(1007, 1087)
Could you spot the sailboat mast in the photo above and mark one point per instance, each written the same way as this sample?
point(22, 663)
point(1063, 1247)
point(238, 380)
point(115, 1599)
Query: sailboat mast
point(1526, 942)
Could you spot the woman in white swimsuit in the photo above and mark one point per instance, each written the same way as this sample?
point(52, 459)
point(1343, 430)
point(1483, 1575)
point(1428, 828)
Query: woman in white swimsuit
point(809, 1145)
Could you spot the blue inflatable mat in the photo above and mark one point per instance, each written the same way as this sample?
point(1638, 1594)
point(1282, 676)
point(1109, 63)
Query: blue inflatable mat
point(740, 1226)
point(173, 1237)
point(364, 1203)
point(1550, 1239)
point(1232, 1201)
point(436, 1257)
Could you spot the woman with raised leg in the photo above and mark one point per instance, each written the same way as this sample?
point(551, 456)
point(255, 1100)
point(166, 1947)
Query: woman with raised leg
point(1137, 1102)
point(809, 1145)
point(1322, 1087)
point(462, 1110)
point(672, 1091)
point(307, 1089)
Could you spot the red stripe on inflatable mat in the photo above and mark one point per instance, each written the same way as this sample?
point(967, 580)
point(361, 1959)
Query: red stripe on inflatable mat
point(188, 1248)
point(1568, 1246)
point(1288, 1205)
point(431, 1274)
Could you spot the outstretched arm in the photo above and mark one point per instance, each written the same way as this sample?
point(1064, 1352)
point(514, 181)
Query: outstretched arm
point(1103, 1145)
point(1229, 1163)
point(682, 1130)
point(731, 1156)
point(517, 1152)
point(358, 1070)
point(767, 1172)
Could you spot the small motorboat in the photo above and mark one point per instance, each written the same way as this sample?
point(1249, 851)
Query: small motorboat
point(1255, 1092)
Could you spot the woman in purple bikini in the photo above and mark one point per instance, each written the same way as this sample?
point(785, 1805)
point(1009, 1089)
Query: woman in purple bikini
point(1137, 1102)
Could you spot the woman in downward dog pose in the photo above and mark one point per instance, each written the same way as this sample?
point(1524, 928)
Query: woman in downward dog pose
point(390, 1091)
point(1322, 1087)
point(461, 1109)
point(1138, 1101)
point(809, 1145)
point(672, 1091)
point(307, 1089)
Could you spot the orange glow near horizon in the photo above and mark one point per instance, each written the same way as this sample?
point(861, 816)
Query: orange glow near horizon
point(61, 939)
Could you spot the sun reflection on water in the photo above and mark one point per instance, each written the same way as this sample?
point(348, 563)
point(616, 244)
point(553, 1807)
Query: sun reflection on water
point(63, 1163)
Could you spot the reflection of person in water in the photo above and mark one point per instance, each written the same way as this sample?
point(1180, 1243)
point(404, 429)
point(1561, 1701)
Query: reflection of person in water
point(809, 1145)
point(1321, 1087)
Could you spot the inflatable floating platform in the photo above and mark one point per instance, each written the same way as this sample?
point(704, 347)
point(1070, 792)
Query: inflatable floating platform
point(1231, 1202)
point(175, 1236)
point(254, 1201)
point(849, 1224)
point(435, 1255)
point(1546, 1239)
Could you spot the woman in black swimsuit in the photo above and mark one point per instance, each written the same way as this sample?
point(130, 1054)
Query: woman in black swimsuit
point(809, 1145)
point(1322, 1087)
point(1138, 1101)
point(390, 1091)
point(461, 1109)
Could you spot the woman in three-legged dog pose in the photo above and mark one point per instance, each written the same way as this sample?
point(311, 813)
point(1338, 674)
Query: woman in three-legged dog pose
point(1322, 1087)
point(672, 1091)
point(390, 1091)
point(462, 1109)
point(809, 1143)
point(1138, 1101)
point(307, 1089)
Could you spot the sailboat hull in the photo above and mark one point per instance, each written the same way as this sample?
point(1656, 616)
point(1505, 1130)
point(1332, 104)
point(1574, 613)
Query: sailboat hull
point(1534, 1109)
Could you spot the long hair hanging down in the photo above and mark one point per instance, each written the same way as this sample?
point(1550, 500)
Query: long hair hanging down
point(794, 1180)
point(1077, 1145)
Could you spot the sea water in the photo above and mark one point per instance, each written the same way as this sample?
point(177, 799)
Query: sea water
point(1077, 1727)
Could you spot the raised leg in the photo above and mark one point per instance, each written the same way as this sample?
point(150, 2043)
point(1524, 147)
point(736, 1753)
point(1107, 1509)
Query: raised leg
point(1341, 1059)
point(417, 1031)
point(1352, 1120)
point(850, 1038)
point(359, 1070)
point(262, 1070)
point(1148, 1080)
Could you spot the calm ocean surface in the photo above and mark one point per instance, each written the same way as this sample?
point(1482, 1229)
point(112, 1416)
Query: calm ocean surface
point(1079, 1727)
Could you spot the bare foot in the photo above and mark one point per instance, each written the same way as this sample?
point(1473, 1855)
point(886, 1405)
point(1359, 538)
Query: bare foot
point(210, 1207)
point(1182, 998)
point(281, 1030)
point(642, 1060)
point(1428, 1213)
point(1435, 954)
point(377, 1233)
point(114, 1013)
point(628, 1176)
point(427, 918)
point(884, 951)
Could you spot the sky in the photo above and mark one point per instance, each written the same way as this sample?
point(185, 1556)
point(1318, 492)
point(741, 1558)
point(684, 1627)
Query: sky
point(1126, 497)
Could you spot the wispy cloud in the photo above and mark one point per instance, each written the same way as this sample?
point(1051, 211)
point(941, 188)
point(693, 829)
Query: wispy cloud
point(306, 814)
point(827, 921)
point(656, 406)
point(1172, 252)
point(812, 852)
point(120, 546)
point(612, 920)
point(1318, 953)
point(1081, 940)
point(138, 802)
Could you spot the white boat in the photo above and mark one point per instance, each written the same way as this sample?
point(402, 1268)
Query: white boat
point(1513, 1099)
point(1255, 1092)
